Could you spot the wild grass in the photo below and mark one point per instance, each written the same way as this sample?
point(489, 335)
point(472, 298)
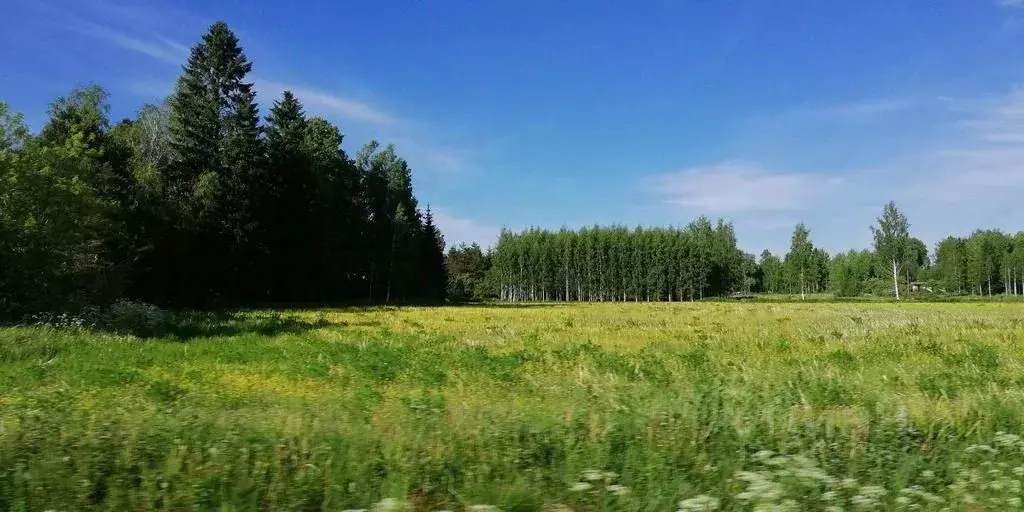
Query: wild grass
point(693, 406)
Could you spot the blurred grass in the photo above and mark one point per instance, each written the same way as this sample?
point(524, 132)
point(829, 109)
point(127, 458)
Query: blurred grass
point(508, 405)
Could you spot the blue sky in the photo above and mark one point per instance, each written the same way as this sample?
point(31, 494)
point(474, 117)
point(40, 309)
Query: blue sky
point(571, 113)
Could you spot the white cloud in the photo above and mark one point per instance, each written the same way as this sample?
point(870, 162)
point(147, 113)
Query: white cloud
point(459, 230)
point(422, 144)
point(969, 175)
point(326, 102)
point(1011, 3)
point(735, 187)
point(157, 47)
point(852, 112)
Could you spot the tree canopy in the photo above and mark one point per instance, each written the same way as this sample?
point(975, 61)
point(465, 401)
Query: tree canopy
point(197, 202)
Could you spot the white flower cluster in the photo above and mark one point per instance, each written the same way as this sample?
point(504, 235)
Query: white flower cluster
point(596, 480)
point(396, 505)
point(987, 486)
point(699, 503)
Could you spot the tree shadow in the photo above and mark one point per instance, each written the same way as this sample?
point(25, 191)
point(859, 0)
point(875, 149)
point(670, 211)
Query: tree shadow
point(370, 307)
point(508, 305)
point(191, 325)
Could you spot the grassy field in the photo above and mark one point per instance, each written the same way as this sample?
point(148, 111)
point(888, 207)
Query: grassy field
point(689, 406)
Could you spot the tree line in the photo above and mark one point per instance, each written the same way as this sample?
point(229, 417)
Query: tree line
point(701, 260)
point(607, 264)
point(198, 201)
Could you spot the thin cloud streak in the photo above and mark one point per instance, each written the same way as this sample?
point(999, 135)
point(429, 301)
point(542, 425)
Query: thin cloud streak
point(857, 111)
point(423, 152)
point(160, 48)
point(336, 104)
point(737, 187)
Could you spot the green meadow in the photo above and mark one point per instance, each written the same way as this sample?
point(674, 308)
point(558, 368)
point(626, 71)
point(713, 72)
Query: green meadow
point(528, 407)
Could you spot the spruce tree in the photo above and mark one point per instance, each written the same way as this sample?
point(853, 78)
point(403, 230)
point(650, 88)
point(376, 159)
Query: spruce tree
point(286, 206)
point(214, 126)
point(432, 267)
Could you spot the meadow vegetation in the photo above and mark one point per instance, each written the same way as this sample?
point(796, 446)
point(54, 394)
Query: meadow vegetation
point(608, 406)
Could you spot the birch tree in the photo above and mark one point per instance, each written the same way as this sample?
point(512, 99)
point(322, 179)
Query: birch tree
point(892, 242)
point(799, 259)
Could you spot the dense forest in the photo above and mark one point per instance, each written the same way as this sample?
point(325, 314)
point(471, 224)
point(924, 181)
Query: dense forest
point(199, 202)
point(702, 260)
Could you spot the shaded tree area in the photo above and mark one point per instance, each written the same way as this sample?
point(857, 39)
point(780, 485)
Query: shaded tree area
point(468, 268)
point(199, 202)
point(621, 264)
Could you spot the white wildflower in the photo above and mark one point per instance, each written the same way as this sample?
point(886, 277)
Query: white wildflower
point(618, 490)
point(580, 487)
point(699, 503)
point(980, 448)
point(388, 505)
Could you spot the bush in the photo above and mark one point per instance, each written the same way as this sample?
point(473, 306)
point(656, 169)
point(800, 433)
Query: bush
point(137, 318)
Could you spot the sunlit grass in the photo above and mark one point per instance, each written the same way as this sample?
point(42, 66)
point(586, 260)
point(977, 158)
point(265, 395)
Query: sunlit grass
point(509, 406)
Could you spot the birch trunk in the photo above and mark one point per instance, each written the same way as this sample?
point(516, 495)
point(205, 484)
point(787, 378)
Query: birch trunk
point(895, 279)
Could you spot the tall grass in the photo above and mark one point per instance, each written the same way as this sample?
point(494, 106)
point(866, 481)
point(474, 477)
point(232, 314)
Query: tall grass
point(529, 407)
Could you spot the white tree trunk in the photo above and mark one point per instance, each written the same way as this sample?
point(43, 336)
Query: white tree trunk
point(895, 279)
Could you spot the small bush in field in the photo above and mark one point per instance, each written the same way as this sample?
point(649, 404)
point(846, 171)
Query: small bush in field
point(136, 318)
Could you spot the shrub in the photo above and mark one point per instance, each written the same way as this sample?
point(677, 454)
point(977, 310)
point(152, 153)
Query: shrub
point(136, 318)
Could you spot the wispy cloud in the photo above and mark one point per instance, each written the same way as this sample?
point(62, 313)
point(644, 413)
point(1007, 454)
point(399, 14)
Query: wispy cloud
point(988, 159)
point(143, 29)
point(156, 46)
point(458, 230)
point(969, 174)
point(733, 187)
point(856, 111)
point(327, 102)
point(1010, 3)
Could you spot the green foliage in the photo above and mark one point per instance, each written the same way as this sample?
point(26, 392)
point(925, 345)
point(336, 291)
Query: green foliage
point(52, 216)
point(136, 318)
point(468, 267)
point(851, 273)
point(985, 263)
point(189, 205)
point(618, 264)
point(799, 259)
point(892, 243)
